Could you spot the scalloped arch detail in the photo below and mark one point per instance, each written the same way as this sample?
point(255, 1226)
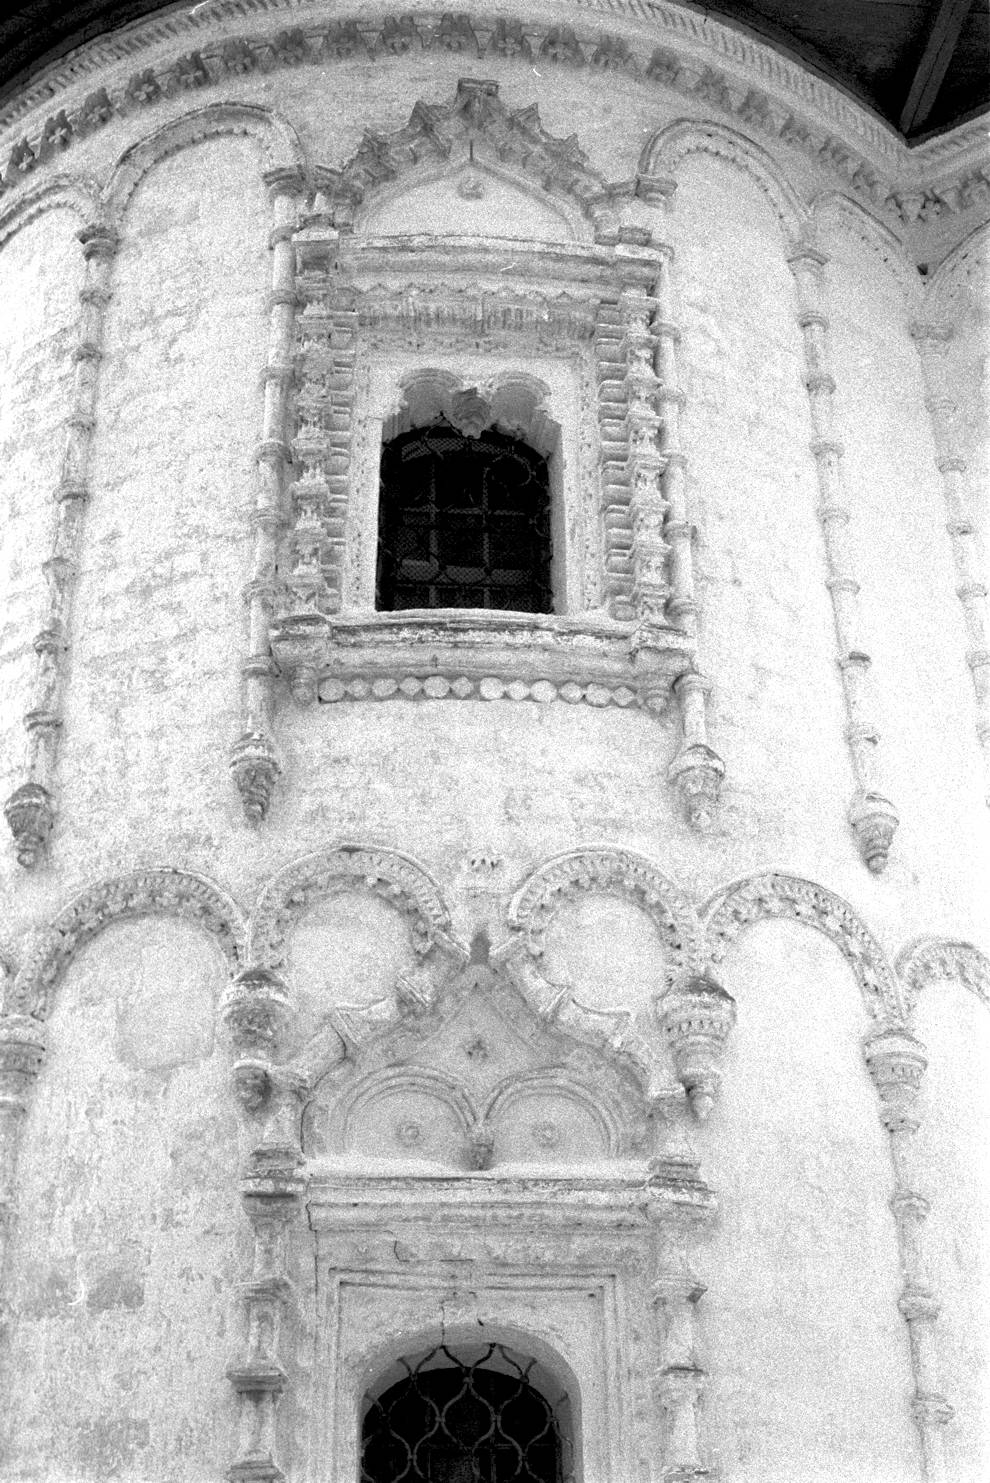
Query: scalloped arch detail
point(281, 147)
point(64, 193)
point(396, 878)
point(774, 897)
point(665, 152)
point(930, 958)
point(615, 871)
point(142, 893)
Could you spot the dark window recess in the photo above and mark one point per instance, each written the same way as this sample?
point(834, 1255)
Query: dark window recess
point(453, 1422)
point(463, 523)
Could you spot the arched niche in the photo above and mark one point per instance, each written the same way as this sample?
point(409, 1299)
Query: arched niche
point(470, 197)
point(173, 454)
point(664, 157)
point(127, 1216)
point(798, 1121)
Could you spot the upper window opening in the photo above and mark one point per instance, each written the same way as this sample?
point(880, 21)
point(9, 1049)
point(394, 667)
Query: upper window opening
point(465, 1418)
point(464, 522)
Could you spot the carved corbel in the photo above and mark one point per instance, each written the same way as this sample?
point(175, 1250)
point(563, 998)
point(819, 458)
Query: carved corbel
point(696, 1018)
point(255, 768)
point(30, 815)
point(896, 1061)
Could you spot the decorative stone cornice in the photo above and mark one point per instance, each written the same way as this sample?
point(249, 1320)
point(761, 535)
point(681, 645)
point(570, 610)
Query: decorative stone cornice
point(705, 62)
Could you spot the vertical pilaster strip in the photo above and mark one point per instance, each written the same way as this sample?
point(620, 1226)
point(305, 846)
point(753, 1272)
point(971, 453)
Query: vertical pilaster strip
point(272, 1196)
point(871, 815)
point(896, 1062)
point(610, 357)
point(255, 1010)
point(22, 1048)
point(932, 342)
point(30, 809)
point(254, 761)
point(309, 590)
point(680, 1379)
point(697, 770)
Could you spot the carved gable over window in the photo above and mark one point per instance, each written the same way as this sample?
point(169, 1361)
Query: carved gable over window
point(475, 1083)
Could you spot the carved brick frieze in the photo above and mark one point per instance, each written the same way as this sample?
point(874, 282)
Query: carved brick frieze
point(758, 88)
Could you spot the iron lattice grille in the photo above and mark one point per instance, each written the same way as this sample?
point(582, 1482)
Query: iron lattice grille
point(457, 1419)
point(463, 523)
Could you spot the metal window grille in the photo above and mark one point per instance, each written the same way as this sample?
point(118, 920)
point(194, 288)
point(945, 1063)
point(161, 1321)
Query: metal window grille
point(469, 1418)
point(463, 523)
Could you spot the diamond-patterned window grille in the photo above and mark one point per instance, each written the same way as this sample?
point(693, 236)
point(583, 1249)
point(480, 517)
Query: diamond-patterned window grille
point(466, 1416)
point(464, 522)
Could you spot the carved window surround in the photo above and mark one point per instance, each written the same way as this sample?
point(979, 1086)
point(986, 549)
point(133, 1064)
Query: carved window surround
point(569, 1259)
point(395, 305)
point(584, 312)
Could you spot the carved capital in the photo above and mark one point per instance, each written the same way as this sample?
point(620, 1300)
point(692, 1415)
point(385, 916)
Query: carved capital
point(30, 814)
point(22, 1049)
point(255, 1470)
point(260, 1375)
point(696, 1018)
point(252, 1084)
point(896, 1061)
point(255, 1010)
point(255, 768)
point(932, 1410)
point(874, 821)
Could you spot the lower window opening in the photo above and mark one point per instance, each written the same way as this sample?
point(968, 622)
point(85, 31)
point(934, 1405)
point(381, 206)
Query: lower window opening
point(469, 1415)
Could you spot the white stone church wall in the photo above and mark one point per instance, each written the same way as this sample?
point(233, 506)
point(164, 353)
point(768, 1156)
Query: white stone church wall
point(122, 1278)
